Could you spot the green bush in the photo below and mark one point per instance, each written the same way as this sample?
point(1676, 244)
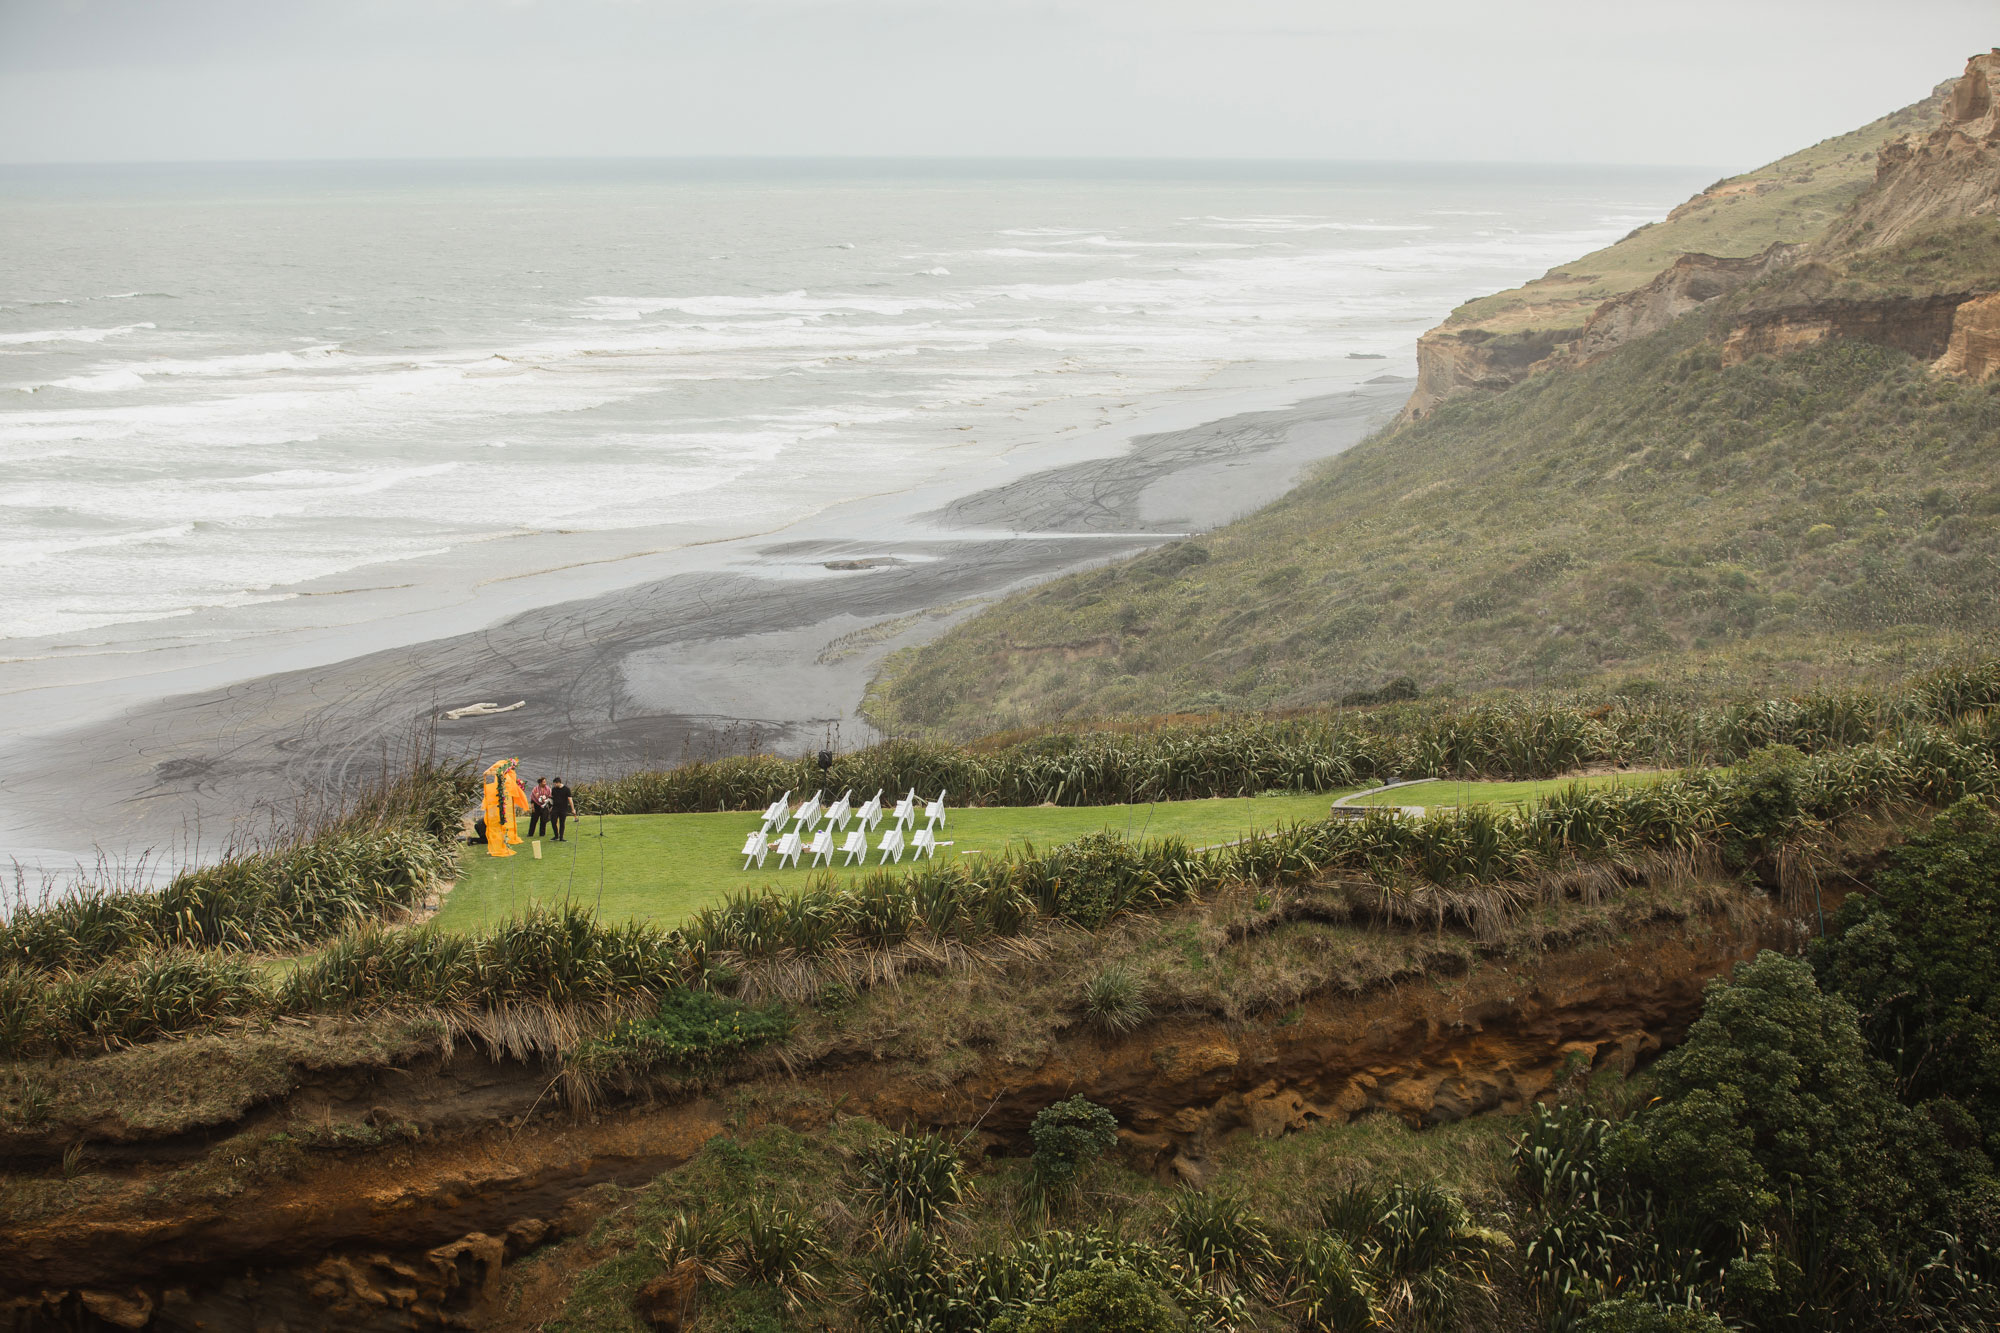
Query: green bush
point(132, 1000)
point(547, 955)
point(1219, 1235)
point(1330, 1287)
point(1427, 1262)
point(1069, 1136)
point(1919, 957)
point(1104, 1298)
point(1774, 1099)
point(1775, 1179)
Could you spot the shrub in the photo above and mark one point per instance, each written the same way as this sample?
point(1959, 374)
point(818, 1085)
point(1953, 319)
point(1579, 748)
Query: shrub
point(1104, 1298)
point(1095, 878)
point(1777, 1146)
point(1919, 957)
point(1068, 1137)
point(1425, 1257)
point(121, 1003)
point(1773, 1091)
point(283, 899)
point(1329, 1286)
point(915, 1282)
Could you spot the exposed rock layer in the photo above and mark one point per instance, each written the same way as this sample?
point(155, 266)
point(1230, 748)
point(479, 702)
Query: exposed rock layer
point(1949, 172)
point(1920, 326)
point(1952, 172)
point(1974, 347)
point(408, 1237)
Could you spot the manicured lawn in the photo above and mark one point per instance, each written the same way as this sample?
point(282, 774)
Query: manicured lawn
point(664, 867)
point(1429, 794)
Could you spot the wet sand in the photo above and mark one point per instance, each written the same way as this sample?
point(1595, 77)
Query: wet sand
point(771, 652)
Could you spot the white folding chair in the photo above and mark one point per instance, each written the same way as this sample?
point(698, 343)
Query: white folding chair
point(808, 811)
point(778, 811)
point(789, 846)
point(891, 844)
point(822, 847)
point(924, 842)
point(934, 812)
point(756, 847)
point(871, 813)
point(906, 810)
point(856, 847)
point(840, 811)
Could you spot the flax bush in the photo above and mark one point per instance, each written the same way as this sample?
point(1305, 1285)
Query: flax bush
point(375, 862)
point(1241, 756)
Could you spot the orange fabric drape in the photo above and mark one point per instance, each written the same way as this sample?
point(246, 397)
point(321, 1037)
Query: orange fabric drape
point(504, 801)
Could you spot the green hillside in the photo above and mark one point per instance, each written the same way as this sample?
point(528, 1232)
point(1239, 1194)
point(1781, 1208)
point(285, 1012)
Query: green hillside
point(1827, 513)
point(1792, 199)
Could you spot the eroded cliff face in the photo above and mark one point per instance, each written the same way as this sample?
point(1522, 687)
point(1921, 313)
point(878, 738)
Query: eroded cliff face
point(1920, 326)
point(1693, 281)
point(1973, 350)
point(1952, 172)
point(1454, 362)
point(1945, 172)
point(413, 1234)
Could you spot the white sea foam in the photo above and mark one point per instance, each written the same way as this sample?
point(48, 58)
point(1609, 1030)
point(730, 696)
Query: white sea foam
point(743, 363)
point(67, 335)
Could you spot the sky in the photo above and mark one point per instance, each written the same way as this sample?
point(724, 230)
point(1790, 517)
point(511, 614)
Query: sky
point(1730, 83)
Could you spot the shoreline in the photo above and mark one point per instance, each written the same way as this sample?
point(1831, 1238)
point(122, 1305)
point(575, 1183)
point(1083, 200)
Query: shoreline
point(754, 642)
point(67, 680)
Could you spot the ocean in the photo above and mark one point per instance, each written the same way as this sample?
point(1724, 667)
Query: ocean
point(220, 384)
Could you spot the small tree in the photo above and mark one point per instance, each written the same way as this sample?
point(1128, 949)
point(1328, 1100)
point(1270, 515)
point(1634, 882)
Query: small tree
point(1920, 958)
point(1774, 1119)
point(1069, 1136)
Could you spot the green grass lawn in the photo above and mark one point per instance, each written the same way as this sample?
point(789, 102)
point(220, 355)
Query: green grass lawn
point(1429, 794)
point(664, 867)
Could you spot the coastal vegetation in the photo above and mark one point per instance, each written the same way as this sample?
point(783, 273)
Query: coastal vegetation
point(1772, 1172)
point(1580, 1215)
point(1675, 1011)
point(101, 970)
point(1825, 514)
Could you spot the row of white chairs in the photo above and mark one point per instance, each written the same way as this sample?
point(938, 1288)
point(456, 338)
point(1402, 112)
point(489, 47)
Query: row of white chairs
point(780, 813)
point(790, 846)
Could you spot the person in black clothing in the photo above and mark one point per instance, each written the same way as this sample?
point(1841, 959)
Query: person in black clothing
point(561, 806)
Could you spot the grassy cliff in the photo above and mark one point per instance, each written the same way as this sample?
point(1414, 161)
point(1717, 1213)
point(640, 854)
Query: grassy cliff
point(1831, 511)
point(1792, 199)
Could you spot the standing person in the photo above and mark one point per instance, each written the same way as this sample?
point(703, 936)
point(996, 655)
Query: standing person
point(562, 804)
point(538, 808)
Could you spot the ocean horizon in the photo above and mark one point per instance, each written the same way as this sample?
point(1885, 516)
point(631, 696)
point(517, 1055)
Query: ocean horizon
point(223, 384)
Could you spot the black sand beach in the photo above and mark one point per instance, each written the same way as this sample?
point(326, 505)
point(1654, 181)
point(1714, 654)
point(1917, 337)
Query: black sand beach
point(688, 666)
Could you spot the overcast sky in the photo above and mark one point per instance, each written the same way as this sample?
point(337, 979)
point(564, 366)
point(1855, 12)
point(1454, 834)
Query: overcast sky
point(1728, 83)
